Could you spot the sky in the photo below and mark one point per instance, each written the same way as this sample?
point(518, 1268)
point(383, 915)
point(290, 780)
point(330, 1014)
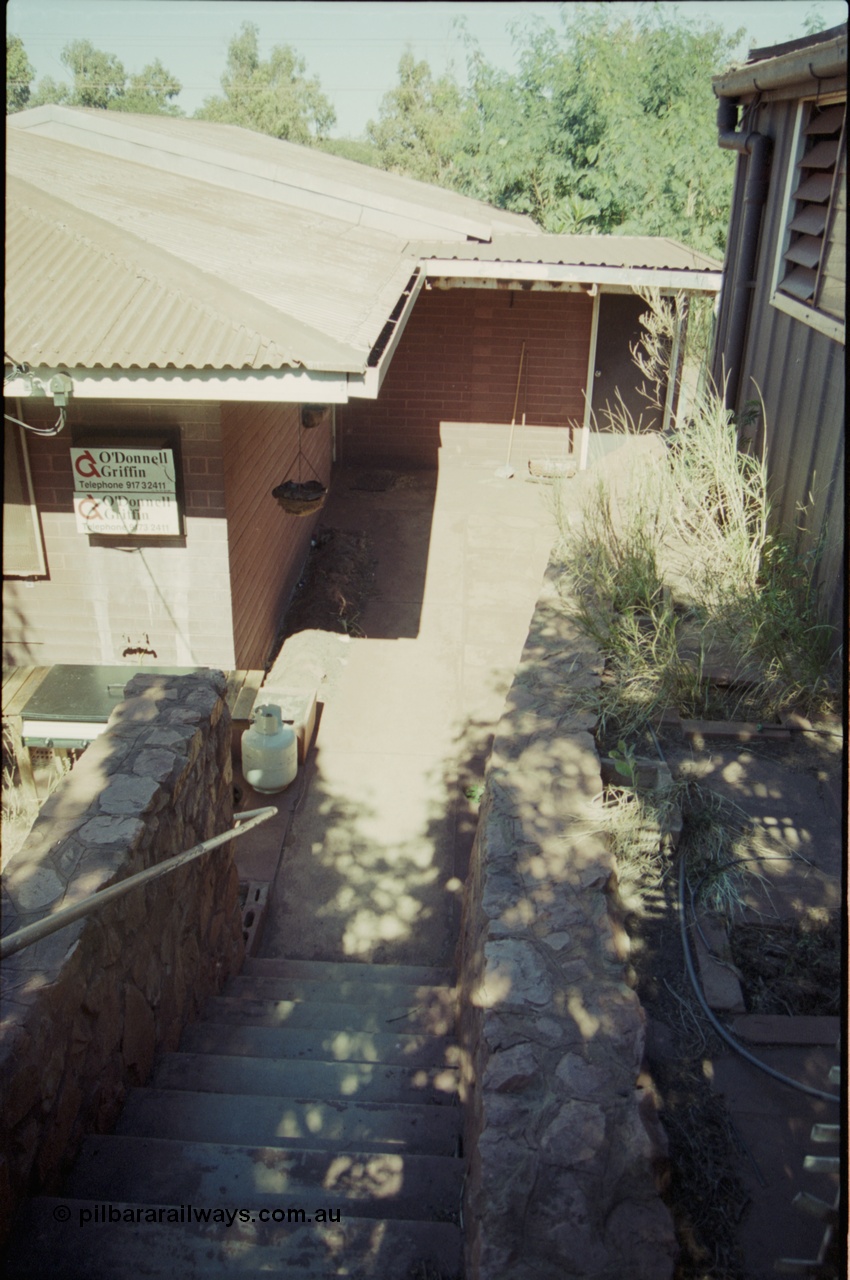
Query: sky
point(353, 47)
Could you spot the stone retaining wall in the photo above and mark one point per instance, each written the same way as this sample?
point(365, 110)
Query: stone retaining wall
point(562, 1137)
point(85, 1010)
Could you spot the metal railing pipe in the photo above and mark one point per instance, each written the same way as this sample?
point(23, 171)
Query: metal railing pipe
point(32, 933)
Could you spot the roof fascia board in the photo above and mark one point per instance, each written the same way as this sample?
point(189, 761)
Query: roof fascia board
point(221, 167)
point(400, 326)
point(803, 67)
point(635, 277)
point(289, 386)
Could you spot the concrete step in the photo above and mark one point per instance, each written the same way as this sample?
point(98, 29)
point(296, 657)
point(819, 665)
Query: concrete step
point(361, 1184)
point(407, 1018)
point(347, 991)
point(47, 1243)
point(334, 971)
point(351, 1081)
point(288, 1122)
point(412, 1051)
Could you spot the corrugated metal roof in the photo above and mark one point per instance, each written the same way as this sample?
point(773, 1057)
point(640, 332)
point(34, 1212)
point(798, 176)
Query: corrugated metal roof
point(144, 241)
point(227, 155)
point(332, 277)
point(82, 294)
point(629, 252)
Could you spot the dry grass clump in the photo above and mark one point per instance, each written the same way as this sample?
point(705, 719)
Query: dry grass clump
point(684, 569)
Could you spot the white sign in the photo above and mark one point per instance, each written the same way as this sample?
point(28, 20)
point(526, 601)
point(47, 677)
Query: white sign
point(118, 513)
point(125, 491)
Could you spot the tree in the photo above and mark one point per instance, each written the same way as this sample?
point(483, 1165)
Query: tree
point(419, 121)
point(350, 149)
point(814, 22)
point(99, 78)
point(19, 75)
point(149, 93)
point(101, 81)
point(49, 90)
point(609, 125)
point(272, 97)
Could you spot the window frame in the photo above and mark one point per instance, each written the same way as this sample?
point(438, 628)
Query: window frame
point(807, 313)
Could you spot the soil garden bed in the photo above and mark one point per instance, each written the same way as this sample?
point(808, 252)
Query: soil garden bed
point(790, 968)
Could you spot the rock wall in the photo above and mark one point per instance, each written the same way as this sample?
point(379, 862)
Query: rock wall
point(85, 1010)
point(563, 1139)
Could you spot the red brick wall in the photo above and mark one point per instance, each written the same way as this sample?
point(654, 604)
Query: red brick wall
point(458, 361)
point(267, 546)
point(98, 600)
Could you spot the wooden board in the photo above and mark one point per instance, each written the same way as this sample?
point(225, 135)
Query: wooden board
point(19, 684)
point(738, 730)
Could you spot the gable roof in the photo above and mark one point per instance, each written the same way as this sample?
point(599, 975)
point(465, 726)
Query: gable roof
point(152, 243)
point(249, 252)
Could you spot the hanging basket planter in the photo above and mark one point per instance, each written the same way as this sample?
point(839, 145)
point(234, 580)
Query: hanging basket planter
point(313, 415)
point(301, 498)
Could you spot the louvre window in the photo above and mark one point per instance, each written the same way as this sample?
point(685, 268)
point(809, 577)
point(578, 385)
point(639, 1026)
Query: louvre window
point(815, 260)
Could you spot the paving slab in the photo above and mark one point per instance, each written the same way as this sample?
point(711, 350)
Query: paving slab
point(374, 855)
point(774, 1124)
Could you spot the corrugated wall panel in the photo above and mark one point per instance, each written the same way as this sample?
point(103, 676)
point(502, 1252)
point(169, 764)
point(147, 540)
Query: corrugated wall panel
point(267, 546)
point(801, 375)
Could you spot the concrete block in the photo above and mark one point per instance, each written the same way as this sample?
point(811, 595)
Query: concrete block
point(720, 984)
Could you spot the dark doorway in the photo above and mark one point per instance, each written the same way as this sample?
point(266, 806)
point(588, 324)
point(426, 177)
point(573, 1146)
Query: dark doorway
point(614, 370)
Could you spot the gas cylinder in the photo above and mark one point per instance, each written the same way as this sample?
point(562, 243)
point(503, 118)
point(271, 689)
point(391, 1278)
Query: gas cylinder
point(269, 751)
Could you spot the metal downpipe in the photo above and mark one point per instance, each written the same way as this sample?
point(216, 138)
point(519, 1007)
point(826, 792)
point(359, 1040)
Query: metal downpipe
point(756, 147)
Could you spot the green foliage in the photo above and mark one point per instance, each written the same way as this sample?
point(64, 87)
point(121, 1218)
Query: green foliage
point(419, 123)
point(814, 22)
point(19, 75)
point(349, 149)
point(100, 81)
point(608, 126)
point(696, 521)
point(49, 90)
point(150, 93)
point(272, 96)
point(99, 78)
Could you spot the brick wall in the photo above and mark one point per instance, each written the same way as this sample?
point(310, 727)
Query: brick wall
point(458, 361)
point(166, 596)
point(267, 546)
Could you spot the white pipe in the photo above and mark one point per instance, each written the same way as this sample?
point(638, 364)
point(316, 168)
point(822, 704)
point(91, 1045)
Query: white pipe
point(588, 395)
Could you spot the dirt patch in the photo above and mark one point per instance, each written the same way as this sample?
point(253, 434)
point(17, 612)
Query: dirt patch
point(337, 581)
point(792, 968)
point(703, 1189)
point(788, 965)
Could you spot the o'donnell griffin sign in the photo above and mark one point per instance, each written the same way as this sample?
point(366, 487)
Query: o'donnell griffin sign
point(126, 491)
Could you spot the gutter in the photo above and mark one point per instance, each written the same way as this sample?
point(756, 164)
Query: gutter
point(756, 147)
point(812, 64)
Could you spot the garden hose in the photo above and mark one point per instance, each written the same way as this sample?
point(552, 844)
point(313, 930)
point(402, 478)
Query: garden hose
point(718, 1026)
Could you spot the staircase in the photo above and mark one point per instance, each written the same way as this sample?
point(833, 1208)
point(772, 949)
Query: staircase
point(314, 1109)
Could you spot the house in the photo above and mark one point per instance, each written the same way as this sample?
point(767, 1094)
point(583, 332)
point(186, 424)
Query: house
point(780, 337)
point(197, 313)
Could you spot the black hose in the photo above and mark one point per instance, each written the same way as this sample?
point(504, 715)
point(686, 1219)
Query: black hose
point(718, 1026)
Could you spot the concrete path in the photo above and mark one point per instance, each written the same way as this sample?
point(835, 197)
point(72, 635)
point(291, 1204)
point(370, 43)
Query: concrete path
point(376, 852)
